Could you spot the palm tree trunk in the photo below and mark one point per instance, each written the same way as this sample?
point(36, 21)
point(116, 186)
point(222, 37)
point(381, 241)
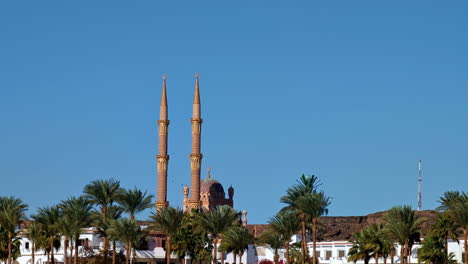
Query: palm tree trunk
point(168, 250)
point(240, 257)
point(376, 258)
point(71, 251)
point(65, 247)
point(287, 252)
point(222, 257)
point(235, 256)
point(33, 248)
point(127, 253)
point(392, 254)
point(385, 259)
point(114, 253)
point(9, 247)
point(52, 259)
point(215, 253)
point(402, 254)
point(76, 250)
point(106, 240)
point(276, 256)
point(465, 232)
point(303, 241)
point(314, 237)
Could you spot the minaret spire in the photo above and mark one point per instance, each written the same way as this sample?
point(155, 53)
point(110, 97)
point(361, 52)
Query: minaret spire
point(162, 157)
point(195, 156)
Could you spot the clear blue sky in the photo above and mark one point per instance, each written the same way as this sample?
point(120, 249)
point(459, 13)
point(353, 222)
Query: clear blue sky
point(355, 92)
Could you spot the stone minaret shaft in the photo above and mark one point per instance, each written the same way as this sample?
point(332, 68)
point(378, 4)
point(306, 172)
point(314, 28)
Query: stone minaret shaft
point(195, 156)
point(162, 157)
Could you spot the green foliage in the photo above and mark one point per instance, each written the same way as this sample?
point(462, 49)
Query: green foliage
point(102, 192)
point(306, 184)
point(167, 220)
point(285, 223)
point(314, 204)
point(219, 220)
point(236, 239)
point(12, 214)
point(433, 251)
point(403, 225)
point(134, 201)
point(360, 249)
point(16, 244)
point(192, 241)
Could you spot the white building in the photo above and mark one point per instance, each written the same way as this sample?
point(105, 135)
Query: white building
point(329, 252)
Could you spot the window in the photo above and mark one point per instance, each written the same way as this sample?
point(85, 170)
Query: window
point(317, 253)
point(328, 255)
point(341, 254)
point(26, 245)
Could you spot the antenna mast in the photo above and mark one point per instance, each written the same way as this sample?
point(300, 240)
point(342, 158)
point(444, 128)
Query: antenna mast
point(419, 187)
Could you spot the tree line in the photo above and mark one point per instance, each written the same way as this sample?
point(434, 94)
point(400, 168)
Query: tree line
point(102, 206)
point(198, 234)
point(403, 226)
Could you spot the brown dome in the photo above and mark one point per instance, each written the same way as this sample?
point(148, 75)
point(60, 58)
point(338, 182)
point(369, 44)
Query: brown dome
point(210, 185)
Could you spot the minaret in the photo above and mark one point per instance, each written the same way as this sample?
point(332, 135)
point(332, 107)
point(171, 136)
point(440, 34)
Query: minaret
point(195, 156)
point(162, 157)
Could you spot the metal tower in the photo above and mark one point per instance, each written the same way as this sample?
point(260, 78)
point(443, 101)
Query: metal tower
point(419, 187)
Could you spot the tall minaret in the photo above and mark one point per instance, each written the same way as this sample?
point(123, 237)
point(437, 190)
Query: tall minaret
point(195, 156)
point(162, 157)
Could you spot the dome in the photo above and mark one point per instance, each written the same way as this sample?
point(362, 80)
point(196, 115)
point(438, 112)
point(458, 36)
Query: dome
point(209, 185)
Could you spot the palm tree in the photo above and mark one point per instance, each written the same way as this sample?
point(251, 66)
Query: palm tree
point(97, 219)
point(76, 215)
point(12, 214)
point(34, 233)
point(49, 217)
point(237, 240)
point(65, 227)
point(134, 201)
point(449, 199)
point(403, 225)
point(286, 224)
point(305, 185)
point(460, 215)
point(378, 242)
point(191, 241)
point(446, 228)
point(455, 204)
point(217, 222)
point(103, 193)
point(127, 231)
point(168, 221)
point(433, 250)
point(15, 245)
point(314, 205)
point(360, 249)
point(274, 241)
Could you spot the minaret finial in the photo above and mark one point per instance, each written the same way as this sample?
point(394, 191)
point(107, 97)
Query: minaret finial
point(196, 97)
point(209, 173)
point(163, 93)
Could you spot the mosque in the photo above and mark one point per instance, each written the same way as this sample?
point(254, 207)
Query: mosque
point(205, 195)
